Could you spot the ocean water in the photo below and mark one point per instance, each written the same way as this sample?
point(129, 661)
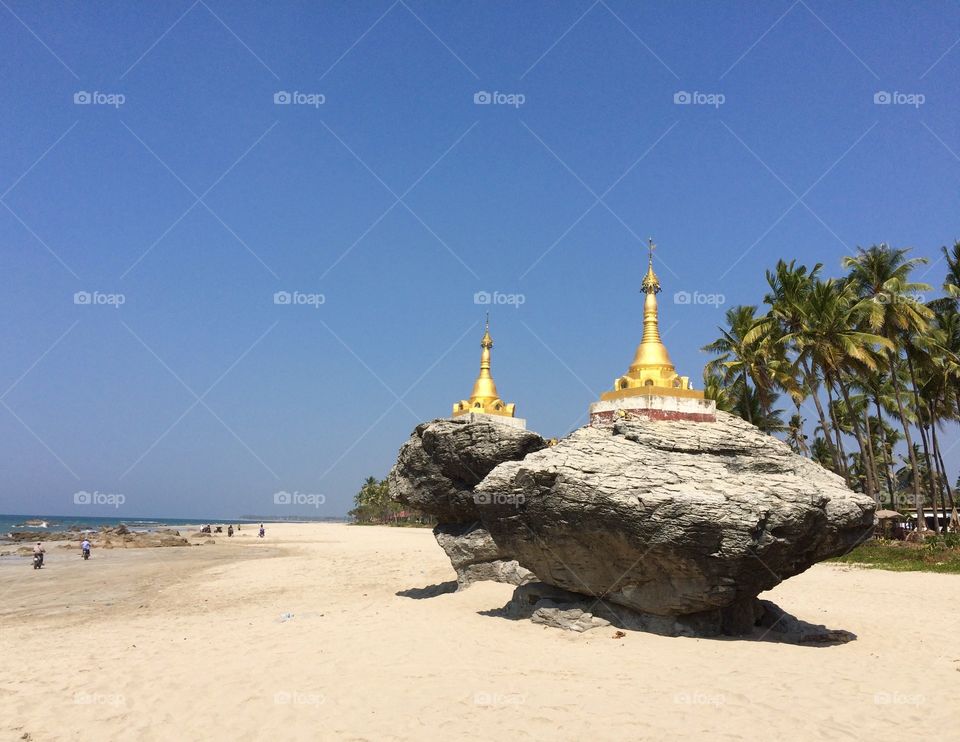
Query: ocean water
point(64, 522)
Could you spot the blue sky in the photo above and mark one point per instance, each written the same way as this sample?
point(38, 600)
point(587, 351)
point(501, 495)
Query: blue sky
point(184, 191)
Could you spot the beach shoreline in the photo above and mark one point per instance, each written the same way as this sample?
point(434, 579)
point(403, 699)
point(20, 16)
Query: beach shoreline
point(321, 631)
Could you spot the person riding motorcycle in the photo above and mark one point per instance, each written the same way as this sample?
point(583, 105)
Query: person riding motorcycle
point(85, 548)
point(38, 552)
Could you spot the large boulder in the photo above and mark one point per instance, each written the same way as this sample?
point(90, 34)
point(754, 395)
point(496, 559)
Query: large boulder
point(443, 460)
point(672, 518)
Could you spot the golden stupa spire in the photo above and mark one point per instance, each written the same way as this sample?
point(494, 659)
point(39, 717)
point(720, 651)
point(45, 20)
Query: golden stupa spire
point(484, 398)
point(652, 371)
point(651, 353)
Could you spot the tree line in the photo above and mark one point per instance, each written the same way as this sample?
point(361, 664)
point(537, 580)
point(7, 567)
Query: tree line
point(372, 506)
point(879, 362)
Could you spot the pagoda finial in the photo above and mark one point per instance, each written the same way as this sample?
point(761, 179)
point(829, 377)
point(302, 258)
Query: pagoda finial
point(650, 284)
point(487, 341)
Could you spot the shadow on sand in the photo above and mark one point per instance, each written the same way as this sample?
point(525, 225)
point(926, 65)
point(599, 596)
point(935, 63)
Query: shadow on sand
point(778, 627)
point(430, 591)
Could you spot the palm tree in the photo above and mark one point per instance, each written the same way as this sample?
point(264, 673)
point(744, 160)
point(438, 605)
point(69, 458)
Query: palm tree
point(796, 438)
point(951, 284)
point(790, 287)
point(754, 363)
point(725, 397)
point(737, 357)
point(875, 351)
point(823, 453)
point(830, 337)
point(882, 273)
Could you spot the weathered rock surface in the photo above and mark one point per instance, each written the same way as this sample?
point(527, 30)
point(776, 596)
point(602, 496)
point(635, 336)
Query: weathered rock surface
point(475, 556)
point(672, 518)
point(443, 460)
point(562, 609)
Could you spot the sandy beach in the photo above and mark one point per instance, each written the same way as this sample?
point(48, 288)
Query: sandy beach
point(340, 632)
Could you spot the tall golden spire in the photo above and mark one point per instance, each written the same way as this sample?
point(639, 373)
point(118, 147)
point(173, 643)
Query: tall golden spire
point(484, 398)
point(652, 371)
point(651, 353)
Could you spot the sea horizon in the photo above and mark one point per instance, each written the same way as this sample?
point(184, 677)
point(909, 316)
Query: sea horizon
point(10, 522)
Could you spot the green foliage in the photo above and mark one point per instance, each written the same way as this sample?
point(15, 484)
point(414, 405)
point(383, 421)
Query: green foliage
point(878, 364)
point(372, 505)
point(936, 554)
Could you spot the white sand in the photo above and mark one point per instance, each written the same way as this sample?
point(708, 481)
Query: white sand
point(187, 644)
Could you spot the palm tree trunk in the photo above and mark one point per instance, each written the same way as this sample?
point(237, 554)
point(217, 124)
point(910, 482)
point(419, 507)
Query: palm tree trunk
point(808, 373)
point(942, 483)
point(865, 461)
point(954, 519)
point(921, 521)
point(744, 400)
point(888, 462)
point(842, 454)
point(868, 434)
point(923, 440)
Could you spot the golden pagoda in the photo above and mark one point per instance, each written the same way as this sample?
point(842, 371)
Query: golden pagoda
point(484, 399)
point(652, 387)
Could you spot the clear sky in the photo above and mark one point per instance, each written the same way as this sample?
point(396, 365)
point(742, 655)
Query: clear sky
point(428, 151)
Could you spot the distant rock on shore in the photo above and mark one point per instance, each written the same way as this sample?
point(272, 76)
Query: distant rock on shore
point(109, 537)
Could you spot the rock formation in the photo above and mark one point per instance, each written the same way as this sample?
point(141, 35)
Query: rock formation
point(672, 518)
point(677, 526)
point(475, 556)
point(436, 472)
point(443, 461)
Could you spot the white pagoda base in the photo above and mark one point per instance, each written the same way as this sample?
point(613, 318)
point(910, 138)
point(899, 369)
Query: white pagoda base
point(653, 407)
point(477, 417)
